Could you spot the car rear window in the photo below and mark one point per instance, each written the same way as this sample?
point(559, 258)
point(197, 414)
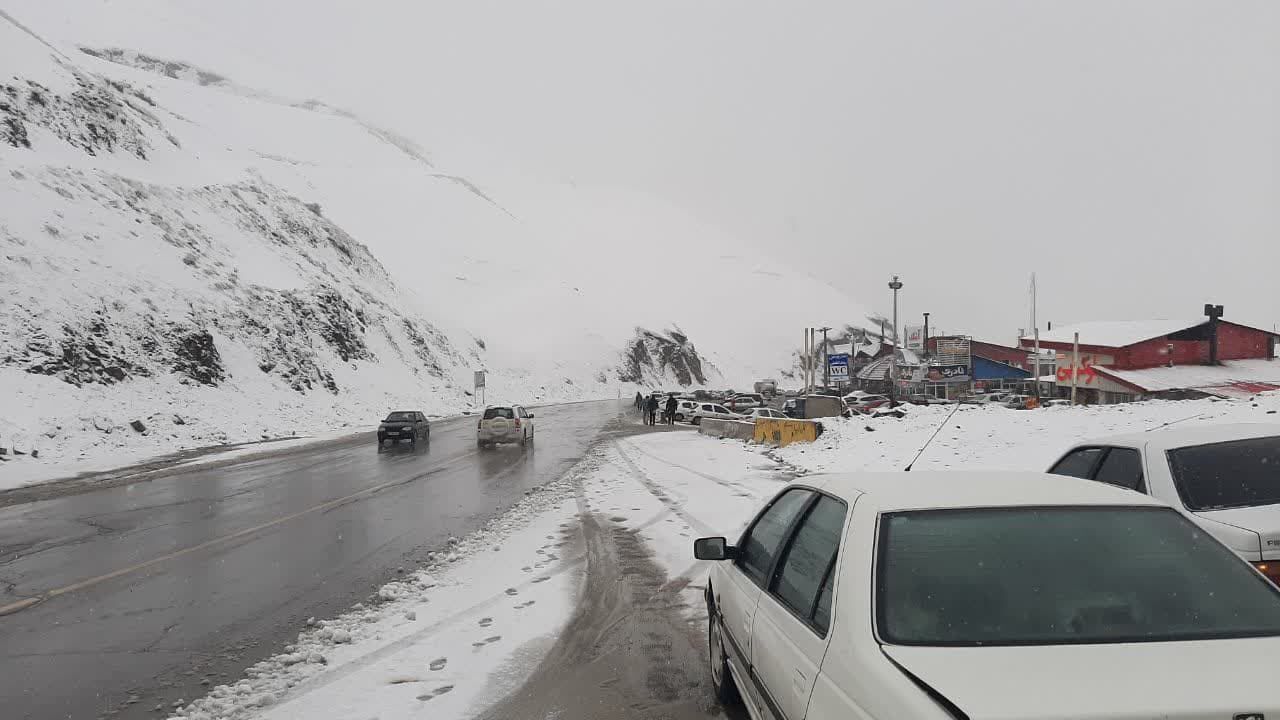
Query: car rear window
point(506, 412)
point(1050, 576)
point(1240, 473)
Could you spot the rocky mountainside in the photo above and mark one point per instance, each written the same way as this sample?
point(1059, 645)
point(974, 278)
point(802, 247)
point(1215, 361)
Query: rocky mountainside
point(663, 360)
point(181, 313)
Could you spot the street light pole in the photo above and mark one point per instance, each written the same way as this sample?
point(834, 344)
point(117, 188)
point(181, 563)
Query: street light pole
point(895, 285)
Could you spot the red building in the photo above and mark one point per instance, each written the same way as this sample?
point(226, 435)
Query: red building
point(1129, 360)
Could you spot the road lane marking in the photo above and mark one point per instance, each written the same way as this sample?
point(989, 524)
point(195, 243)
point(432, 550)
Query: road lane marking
point(25, 603)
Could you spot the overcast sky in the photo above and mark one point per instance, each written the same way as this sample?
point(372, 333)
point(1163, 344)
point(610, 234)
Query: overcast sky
point(1127, 152)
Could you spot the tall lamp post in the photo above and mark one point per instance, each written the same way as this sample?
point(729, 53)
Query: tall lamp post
point(895, 285)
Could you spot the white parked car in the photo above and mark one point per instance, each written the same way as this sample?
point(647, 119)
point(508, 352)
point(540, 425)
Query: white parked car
point(1224, 477)
point(504, 424)
point(712, 410)
point(941, 596)
point(768, 413)
point(685, 409)
point(742, 403)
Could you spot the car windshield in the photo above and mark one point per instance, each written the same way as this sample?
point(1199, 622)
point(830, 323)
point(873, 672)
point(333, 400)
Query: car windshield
point(1240, 473)
point(1049, 576)
point(400, 417)
point(504, 412)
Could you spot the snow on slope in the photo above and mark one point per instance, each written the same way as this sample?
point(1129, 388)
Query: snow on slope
point(223, 221)
point(204, 312)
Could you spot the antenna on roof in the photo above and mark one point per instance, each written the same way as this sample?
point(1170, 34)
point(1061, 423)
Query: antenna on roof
point(1175, 422)
point(931, 437)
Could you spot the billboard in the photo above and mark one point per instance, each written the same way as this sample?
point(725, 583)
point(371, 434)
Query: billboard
point(952, 362)
point(915, 337)
point(838, 367)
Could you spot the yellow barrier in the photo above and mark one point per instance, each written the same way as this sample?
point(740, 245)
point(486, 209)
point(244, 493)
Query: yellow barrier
point(784, 432)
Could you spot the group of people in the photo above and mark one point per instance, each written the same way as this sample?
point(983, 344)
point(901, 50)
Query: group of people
point(648, 408)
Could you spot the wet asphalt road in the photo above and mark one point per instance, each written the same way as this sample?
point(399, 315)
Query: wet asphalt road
point(151, 587)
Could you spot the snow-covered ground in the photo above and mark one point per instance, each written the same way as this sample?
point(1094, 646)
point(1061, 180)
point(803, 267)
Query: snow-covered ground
point(986, 436)
point(447, 639)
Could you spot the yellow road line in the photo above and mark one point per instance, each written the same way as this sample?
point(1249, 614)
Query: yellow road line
point(28, 602)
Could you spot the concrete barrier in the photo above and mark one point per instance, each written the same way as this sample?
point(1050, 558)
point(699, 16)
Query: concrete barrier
point(782, 433)
point(734, 429)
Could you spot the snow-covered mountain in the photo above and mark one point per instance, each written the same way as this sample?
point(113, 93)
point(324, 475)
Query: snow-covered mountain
point(220, 262)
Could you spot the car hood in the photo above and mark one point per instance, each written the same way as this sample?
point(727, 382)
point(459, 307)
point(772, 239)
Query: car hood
point(1263, 520)
point(1204, 680)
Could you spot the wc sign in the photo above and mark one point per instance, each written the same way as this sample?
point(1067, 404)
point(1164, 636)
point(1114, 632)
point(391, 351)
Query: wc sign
point(838, 367)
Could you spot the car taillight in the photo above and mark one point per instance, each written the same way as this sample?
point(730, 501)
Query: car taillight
point(479, 424)
point(517, 423)
point(1271, 569)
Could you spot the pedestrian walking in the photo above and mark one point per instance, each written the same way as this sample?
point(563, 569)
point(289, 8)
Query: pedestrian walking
point(639, 403)
point(652, 407)
point(670, 416)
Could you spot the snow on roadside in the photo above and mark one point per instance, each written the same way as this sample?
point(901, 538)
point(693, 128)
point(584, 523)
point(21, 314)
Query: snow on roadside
point(445, 634)
point(988, 436)
point(673, 487)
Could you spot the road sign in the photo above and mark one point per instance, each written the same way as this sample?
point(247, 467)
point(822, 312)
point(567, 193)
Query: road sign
point(838, 367)
point(479, 379)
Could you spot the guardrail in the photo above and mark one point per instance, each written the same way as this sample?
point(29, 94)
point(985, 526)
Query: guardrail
point(733, 429)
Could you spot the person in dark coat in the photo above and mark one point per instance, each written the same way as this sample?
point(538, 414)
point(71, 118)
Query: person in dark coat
point(651, 406)
point(670, 415)
point(639, 403)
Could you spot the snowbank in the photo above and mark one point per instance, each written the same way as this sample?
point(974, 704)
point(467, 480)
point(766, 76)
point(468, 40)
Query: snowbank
point(987, 436)
point(442, 640)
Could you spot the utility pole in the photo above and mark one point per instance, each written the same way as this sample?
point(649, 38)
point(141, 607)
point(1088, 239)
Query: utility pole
point(926, 335)
point(826, 367)
point(804, 364)
point(1075, 365)
point(1036, 330)
point(895, 285)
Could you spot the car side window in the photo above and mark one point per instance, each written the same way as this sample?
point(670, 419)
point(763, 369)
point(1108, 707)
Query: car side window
point(760, 544)
point(1079, 463)
point(1122, 467)
point(720, 409)
point(806, 560)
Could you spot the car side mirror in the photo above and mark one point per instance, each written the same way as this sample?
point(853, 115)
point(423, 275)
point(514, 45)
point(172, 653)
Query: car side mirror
point(714, 548)
point(530, 414)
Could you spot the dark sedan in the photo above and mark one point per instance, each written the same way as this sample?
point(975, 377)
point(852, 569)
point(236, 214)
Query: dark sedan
point(401, 425)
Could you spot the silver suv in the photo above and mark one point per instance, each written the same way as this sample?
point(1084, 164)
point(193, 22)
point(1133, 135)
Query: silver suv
point(504, 423)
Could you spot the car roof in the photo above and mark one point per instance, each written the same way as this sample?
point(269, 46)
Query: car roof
point(1168, 438)
point(892, 491)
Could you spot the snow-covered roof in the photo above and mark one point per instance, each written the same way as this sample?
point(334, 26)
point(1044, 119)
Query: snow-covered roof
point(1200, 376)
point(1115, 333)
point(875, 370)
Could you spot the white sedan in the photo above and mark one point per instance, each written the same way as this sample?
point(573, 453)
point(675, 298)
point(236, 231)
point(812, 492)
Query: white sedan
point(767, 413)
point(994, 596)
point(1224, 477)
point(713, 411)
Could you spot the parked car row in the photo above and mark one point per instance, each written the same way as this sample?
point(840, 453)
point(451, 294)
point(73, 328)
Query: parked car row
point(1147, 565)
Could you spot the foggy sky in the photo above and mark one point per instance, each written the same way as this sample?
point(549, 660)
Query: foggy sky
point(1127, 152)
